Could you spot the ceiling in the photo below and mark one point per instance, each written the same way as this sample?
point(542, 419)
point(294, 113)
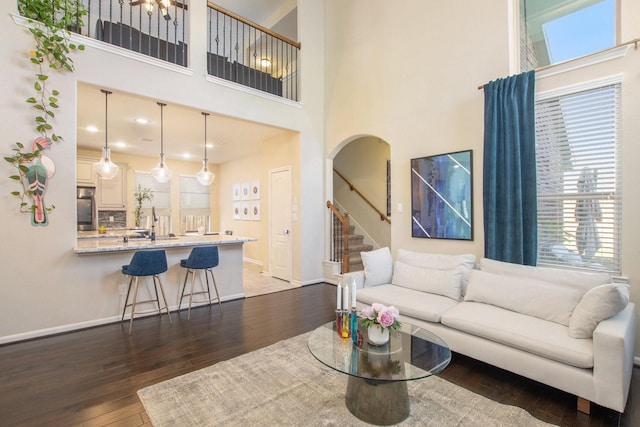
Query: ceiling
point(183, 129)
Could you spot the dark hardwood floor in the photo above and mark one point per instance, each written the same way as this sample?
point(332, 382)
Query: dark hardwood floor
point(90, 377)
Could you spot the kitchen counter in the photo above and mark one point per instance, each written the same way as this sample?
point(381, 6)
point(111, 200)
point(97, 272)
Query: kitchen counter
point(91, 244)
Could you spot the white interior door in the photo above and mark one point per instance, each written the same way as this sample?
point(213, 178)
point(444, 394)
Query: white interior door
point(280, 223)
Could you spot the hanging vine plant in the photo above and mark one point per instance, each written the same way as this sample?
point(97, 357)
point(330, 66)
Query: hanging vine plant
point(49, 24)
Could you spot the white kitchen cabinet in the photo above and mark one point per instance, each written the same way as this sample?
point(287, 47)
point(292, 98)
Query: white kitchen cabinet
point(86, 176)
point(112, 193)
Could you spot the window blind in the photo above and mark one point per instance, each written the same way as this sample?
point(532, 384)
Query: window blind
point(579, 179)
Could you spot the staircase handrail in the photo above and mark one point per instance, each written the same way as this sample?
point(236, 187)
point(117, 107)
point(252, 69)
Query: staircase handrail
point(383, 217)
point(344, 220)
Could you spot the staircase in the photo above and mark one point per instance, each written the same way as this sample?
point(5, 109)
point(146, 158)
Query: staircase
point(356, 245)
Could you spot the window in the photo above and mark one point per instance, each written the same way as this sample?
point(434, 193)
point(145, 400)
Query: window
point(161, 202)
point(553, 31)
point(195, 205)
point(578, 168)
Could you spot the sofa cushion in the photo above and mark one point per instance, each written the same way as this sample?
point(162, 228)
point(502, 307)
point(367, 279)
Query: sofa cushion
point(544, 300)
point(409, 302)
point(531, 334)
point(581, 279)
point(378, 267)
point(598, 304)
point(447, 283)
point(464, 263)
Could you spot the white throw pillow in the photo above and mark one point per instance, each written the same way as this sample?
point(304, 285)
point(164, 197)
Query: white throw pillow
point(580, 279)
point(544, 300)
point(378, 267)
point(464, 263)
point(598, 304)
point(447, 283)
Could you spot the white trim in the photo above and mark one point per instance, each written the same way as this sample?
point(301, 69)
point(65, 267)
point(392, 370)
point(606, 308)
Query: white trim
point(585, 61)
point(246, 89)
point(582, 86)
point(93, 323)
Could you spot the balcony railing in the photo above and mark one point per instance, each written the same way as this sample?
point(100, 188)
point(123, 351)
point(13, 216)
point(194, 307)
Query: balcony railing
point(237, 49)
point(246, 53)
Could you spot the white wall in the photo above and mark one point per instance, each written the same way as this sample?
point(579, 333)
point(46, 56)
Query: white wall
point(410, 75)
point(45, 287)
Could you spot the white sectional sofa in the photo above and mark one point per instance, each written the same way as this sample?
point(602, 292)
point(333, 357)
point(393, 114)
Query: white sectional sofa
point(571, 330)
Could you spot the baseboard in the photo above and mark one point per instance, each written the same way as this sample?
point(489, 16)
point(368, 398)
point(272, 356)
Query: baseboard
point(92, 323)
point(252, 261)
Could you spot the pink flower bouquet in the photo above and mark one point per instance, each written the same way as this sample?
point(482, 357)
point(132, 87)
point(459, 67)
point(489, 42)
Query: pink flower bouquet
point(380, 315)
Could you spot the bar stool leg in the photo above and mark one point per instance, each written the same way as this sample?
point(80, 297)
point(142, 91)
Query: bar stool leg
point(126, 300)
point(133, 303)
point(164, 298)
point(193, 281)
point(184, 287)
point(215, 287)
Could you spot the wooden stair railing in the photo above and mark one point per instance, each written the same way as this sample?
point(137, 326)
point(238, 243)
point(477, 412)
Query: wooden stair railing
point(383, 217)
point(339, 237)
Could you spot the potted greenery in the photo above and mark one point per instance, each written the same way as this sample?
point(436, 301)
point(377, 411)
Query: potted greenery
point(49, 24)
point(141, 195)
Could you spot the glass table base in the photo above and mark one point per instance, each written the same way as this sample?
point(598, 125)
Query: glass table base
point(375, 402)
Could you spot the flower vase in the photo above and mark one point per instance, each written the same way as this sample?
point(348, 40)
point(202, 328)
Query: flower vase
point(377, 335)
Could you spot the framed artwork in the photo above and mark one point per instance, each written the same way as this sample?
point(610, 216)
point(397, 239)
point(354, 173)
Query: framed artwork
point(245, 211)
point(255, 210)
point(236, 211)
point(246, 189)
point(255, 190)
point(442, 196)
point(237, 192)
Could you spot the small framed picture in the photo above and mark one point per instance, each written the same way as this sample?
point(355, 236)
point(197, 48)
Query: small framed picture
point(237, 211)
point(245, 211)
point(237, 192)
point(246, 189)
point(255, 190)
point(255, 210)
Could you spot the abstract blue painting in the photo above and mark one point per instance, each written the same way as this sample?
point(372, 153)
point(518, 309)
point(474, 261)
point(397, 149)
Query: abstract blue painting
point(442, 196)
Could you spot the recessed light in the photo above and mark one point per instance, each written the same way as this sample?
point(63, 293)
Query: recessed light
point(120, 144)
point(142, 121)
point(265, 62)
point(209, 145)
point(92, 129)
point(186, 156)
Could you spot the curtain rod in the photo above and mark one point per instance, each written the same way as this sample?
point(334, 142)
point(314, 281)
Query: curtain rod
point(545, 67)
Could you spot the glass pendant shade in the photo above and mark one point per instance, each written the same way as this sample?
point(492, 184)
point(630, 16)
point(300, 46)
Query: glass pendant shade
point(105, 167)
point(161, 172)
point(204, 175)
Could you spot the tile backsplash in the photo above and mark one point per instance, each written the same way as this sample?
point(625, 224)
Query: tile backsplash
point(119, 219)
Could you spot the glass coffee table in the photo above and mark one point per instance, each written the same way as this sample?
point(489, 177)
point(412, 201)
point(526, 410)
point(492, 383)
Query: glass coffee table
point(377, 390)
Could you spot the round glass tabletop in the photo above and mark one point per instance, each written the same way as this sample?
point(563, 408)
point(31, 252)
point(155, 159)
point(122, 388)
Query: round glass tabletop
point(410, 354)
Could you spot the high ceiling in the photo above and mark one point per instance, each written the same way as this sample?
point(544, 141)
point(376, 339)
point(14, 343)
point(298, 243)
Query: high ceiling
point(229, 138)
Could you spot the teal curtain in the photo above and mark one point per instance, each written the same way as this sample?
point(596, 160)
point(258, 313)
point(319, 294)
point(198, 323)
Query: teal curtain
point(509, 172)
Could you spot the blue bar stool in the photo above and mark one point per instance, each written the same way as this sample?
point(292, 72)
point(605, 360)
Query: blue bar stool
point(200, 258)
point(144, 264)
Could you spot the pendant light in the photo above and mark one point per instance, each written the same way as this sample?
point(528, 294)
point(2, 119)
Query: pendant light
point(205, 176)
point(161, 172)
point(105, 167)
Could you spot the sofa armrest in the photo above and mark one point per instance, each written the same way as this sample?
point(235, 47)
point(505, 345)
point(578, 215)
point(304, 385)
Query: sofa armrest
point(357, 276)
point(613, 348)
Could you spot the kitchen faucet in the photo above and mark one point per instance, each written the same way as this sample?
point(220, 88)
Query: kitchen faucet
point(154, 219)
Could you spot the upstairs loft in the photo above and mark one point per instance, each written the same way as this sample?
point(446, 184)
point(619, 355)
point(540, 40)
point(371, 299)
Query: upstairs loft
point(238, 50)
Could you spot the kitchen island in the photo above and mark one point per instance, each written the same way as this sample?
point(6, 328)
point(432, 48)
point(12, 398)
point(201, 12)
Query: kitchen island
point(108, 253)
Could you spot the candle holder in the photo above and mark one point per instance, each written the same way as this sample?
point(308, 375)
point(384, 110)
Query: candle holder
point(356, 335)
point(343, 321)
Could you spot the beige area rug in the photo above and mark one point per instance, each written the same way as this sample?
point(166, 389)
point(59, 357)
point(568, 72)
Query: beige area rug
point(283, 385)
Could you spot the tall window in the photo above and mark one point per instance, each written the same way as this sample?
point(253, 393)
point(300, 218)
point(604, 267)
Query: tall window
point(195, 205)
point(553, 31)
point(161, 202)
point(579, 176)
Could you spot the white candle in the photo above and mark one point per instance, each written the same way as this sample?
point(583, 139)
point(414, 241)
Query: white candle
point(346, 297)
point(353, 294)
point(339, 299)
